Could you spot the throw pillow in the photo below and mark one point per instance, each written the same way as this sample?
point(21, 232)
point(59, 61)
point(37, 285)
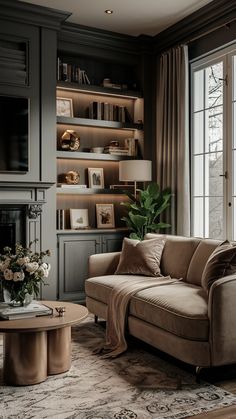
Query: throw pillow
point(221, 262)
point(141, 257)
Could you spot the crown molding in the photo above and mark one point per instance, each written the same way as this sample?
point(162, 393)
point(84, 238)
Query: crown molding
point(208, 18)
point(32, 14)
point(72, 36)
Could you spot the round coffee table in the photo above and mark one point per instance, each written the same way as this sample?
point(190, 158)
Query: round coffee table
point(36, 347)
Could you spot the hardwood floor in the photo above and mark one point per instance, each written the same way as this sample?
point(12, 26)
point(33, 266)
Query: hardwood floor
point(226, 413)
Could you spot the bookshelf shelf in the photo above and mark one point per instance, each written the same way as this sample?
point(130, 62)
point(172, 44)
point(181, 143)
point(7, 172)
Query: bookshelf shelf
point(88, 191)
point(103, 91)
point(64, 120)
point(90, 156)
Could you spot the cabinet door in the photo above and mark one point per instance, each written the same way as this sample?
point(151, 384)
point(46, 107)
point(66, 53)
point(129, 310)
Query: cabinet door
point(112, 242)
point(74, 252)
point(20, 77)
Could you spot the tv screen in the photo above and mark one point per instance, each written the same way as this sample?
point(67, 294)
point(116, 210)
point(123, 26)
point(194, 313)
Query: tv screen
point(14, 133)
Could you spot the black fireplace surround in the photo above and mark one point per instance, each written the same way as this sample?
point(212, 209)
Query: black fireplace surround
point(12, 225)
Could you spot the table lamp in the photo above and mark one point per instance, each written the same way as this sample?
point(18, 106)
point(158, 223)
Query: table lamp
point(135, 171)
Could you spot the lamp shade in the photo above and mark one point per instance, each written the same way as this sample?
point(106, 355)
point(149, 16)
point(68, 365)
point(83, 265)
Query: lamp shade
point(135, 170)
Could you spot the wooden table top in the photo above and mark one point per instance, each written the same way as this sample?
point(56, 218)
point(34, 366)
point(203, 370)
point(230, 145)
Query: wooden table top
point(74, 313)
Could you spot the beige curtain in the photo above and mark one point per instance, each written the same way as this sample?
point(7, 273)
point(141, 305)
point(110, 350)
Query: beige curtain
point(173, 135)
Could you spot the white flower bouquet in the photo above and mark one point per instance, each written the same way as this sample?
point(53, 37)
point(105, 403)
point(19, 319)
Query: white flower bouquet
point(22, 272)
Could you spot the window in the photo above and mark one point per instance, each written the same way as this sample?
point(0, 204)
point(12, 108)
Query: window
point(213, 145)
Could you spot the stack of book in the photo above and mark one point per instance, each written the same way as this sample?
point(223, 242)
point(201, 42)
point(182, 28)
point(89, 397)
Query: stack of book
point(108, 84)
point(116, 151)
point(34, 309)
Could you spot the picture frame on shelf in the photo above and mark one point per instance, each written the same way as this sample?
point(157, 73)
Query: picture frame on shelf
point(79, 218)
point(105, 215)
point(64, 107)
point(96, 177)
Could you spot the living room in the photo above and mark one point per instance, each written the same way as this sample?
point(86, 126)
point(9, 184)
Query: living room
point(100, 92)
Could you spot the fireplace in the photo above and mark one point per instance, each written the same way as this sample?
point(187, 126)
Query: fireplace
point(21, 216)
point(21, 213)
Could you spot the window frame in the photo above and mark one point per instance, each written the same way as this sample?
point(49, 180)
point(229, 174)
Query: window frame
point(225, 55)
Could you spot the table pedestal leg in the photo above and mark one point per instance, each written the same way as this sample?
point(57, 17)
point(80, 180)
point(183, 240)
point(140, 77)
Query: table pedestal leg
point(25, 358)
point(59, 350)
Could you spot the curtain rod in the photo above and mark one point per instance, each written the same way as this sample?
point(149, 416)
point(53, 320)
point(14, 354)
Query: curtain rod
point(227, 25)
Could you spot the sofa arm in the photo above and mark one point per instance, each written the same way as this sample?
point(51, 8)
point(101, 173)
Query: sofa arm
point(103, 264)
point(222, 315)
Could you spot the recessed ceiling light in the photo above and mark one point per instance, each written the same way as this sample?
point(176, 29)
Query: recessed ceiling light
point(108, 11)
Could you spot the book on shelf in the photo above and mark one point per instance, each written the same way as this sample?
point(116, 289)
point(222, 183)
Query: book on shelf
point(60, 219)
point(121, 114)
point(131, 144)
point(34, 309)
point(95, 110)
point(106, 111)
point(128, 117)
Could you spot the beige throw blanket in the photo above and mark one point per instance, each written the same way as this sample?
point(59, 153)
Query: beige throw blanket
point(117, 311)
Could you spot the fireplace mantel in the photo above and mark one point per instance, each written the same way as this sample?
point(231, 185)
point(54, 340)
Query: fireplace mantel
point(23, 192)
point(44, 185)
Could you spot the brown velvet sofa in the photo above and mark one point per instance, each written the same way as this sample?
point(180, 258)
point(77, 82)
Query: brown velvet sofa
point(181, 319)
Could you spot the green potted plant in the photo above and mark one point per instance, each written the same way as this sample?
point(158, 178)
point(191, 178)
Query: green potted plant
point(144, 210)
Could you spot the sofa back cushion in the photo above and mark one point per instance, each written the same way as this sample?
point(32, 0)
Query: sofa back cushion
point(222, 262)
point(199, 260)
point(176, 255)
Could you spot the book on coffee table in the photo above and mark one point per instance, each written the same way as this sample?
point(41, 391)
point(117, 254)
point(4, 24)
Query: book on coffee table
point(34, 309)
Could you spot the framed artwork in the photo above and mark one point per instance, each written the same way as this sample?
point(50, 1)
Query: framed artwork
point(78, 218)
point(105, 215)
point(95, 177)
point(64, 107)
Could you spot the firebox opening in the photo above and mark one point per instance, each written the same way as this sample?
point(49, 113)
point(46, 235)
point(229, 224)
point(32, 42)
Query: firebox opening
point(12, 225)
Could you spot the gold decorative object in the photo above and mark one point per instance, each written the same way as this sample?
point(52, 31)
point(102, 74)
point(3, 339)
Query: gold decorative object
point(72, 177)
point(70, 140)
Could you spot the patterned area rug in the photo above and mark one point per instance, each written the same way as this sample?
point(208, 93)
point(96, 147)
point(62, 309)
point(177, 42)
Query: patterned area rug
point(138, 384)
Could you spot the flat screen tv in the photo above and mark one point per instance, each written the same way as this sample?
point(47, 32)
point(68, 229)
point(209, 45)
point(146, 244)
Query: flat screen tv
point(14, 134)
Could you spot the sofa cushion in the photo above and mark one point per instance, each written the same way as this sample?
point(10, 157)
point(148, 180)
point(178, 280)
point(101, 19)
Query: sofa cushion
point(176, 255)
point(222, 262)
point(178, 308)
point(141, 257)
point(100, 287)
point(199, 260)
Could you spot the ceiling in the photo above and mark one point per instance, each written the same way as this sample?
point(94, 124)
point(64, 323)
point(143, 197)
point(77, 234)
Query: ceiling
point(131, 17)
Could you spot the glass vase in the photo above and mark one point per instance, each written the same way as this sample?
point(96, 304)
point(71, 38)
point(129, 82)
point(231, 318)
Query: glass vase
point(17, 302)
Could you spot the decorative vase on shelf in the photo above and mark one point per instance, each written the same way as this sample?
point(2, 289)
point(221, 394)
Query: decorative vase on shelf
point(21, 274)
